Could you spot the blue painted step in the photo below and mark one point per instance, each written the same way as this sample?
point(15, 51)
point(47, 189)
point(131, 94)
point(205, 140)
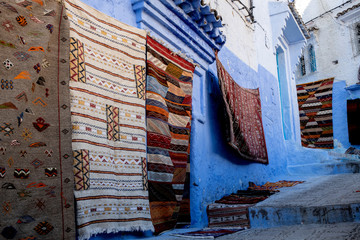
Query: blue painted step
point(320, 200)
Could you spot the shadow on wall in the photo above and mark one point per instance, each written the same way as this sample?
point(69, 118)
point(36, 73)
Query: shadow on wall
point(219, 126)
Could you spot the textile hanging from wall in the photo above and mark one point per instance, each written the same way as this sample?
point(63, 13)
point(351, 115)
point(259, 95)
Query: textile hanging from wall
point(315, 109)
point(168, 112)
point(36, 180)
point(107, 87)
point(353, 113)
point(243, 107)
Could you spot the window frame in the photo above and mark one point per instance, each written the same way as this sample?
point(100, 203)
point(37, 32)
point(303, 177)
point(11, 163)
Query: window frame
point(312, 58)
point(357, 37)
point(302, 65)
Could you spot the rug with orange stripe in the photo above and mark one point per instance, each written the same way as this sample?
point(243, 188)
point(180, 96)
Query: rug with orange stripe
point(315, 109)
point(168, 112)
point(243, 107)
point(107, 87)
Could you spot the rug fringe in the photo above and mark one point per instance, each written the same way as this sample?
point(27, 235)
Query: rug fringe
point(97, 230)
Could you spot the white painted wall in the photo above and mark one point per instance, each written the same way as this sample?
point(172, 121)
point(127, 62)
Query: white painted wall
point(245, 39)
point(263, 35)
point(335, 40)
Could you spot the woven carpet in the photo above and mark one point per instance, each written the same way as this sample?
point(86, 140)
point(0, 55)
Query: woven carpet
point(315, 109)
point(208, 233)
point(353, 117)
point(168, 112)
point(274, 186)
point(228, 215)
point(107, 70)
point(36, 177)
point(232, 210)
point(243, 107)
point(239, 199)
point(352, 151)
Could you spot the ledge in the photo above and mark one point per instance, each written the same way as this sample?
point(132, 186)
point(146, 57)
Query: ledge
point(188, 26)
point(354, 87)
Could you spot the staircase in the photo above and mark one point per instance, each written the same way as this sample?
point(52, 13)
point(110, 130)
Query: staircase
point(321, 200)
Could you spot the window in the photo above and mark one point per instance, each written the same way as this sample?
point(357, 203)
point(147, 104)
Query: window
point(357, 37)
point(302, 66)
point(286, 106)
point(312, 58)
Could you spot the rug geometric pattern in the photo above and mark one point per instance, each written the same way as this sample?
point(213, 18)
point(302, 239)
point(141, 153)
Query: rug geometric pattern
point(243, 106)
point(315, 110)
point(36, 177)
point(168, 112)
point(108, 118)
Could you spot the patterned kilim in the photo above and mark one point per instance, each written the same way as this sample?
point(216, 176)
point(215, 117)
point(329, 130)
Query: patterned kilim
point(315, 109)
point(241, 199)
point(228, 215)
point(232, 210)
point(36, 180)
point(243, 107)
point(168, 112)
point(274, 186)
point(107, 64)
point(208, 233)
point(353, 114)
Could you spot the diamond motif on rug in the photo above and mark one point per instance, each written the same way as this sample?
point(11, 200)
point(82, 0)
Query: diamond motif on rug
point(315, 110)
point(37, 163)
point(43, 228)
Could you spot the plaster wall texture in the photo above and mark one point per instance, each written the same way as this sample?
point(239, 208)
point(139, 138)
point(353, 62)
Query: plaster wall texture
point(263, 36)
point(334, 41)
point(309, 9)
point(244, 37)
point(239, 32)
point(119, 9)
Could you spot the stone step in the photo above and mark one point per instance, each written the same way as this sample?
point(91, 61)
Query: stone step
point(321, 200)
point(330, 168)
point(338, 231)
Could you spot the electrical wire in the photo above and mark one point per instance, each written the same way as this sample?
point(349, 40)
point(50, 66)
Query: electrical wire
point(329, 11)
point(237, 11)
point(336, 21)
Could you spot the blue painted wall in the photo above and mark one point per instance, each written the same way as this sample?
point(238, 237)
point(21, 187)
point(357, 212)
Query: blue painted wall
point(221, 170)
point(118, 9)
point(340, 95)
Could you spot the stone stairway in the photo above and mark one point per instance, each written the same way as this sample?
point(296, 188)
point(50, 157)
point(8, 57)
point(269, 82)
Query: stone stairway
point(321, 200)
point(322, 208)
point(337, 231)
point(329, 168)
